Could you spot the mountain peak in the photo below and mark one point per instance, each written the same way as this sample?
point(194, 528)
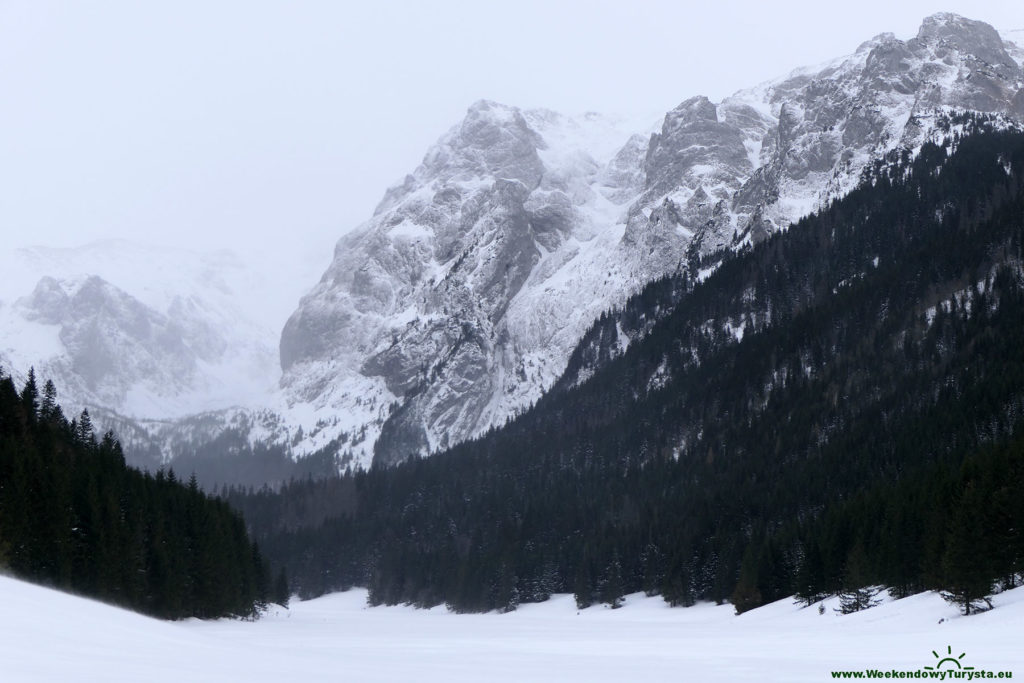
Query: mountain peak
point(492, 140)
point(965, 35)
point(945, 19)
point(492, 109)
point(694, 108)
point(880, 39)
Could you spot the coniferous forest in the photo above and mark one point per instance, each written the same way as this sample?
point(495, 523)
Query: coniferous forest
point(74, 517)
point(836, 408)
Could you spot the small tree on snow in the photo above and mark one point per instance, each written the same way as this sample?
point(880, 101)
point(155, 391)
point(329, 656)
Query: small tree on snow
point(857, 596)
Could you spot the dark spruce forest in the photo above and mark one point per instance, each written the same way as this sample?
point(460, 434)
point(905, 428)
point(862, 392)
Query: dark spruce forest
point(836, 408)
point(74, 517)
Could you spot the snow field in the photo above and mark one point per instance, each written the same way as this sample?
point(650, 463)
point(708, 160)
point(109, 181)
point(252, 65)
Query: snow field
point(50, 636)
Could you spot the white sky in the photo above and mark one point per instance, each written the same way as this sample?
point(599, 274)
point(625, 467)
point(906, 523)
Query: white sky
point(213, 124)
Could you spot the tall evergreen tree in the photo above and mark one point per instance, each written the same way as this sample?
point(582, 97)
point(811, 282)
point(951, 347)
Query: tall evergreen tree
point(857, 595)
point(966, 571)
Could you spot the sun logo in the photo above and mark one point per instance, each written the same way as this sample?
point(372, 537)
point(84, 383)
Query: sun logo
point(950, 659)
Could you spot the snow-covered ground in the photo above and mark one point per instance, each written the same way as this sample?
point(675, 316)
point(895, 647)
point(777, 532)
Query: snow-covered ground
point(50, 636)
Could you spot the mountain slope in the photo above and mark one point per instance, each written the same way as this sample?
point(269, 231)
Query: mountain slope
point(847, 372)
point(75, 517)
point(456, 295)
point(461, 300)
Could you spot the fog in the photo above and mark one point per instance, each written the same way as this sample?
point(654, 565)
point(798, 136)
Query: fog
point(278, 126)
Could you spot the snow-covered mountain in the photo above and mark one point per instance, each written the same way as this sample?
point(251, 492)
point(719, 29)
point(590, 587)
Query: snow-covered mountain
point(458, 303)
point(141, 331)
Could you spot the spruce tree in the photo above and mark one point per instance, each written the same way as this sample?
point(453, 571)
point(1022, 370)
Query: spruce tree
point(611, 590)
point(747, 594)
point(30, 396)
point(85, 433)
point(857, 595)
point(282, 594)
point(49, 405)
point(966, 575)
point(810, 574)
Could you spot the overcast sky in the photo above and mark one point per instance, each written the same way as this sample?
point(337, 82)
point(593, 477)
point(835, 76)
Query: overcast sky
point(213, 124)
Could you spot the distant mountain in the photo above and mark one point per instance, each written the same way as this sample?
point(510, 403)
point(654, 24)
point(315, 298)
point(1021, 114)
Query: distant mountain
point(141, 331)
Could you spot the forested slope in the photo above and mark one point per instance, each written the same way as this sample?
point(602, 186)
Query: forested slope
point(828, 409)
point(74, 517)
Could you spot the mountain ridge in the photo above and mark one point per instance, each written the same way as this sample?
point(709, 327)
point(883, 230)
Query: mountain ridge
point(472, 346)
point(462, 299)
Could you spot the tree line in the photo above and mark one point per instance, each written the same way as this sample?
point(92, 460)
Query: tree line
point(74, 517)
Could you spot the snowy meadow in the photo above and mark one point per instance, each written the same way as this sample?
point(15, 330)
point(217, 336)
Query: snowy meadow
point(50, 636)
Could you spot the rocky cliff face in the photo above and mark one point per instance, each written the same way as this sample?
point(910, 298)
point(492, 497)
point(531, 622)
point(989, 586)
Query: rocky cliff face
point(460, 301)
point(452, 306)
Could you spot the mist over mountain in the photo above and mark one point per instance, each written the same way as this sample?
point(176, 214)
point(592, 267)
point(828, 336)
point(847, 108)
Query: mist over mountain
point(460, 302)
point(145, 331)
